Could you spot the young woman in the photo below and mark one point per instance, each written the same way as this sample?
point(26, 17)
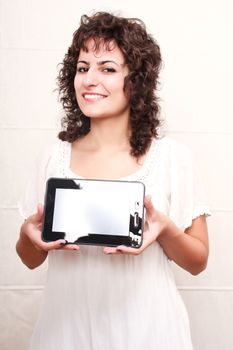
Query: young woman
point(116, 298)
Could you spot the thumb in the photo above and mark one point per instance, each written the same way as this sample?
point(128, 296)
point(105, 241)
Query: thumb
point(150, 210)
point(40, 211)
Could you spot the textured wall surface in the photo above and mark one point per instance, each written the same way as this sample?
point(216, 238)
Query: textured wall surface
point(196, 98)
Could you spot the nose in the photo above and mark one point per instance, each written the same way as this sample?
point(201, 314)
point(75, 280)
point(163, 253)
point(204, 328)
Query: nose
point(91, 78)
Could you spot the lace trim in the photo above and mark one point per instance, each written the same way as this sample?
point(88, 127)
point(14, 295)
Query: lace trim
point(64, 158)
point(141, 175)
point(146, 170)
point(197, 212)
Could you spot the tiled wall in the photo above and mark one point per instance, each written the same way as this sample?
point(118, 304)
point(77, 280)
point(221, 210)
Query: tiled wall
point(196, 94)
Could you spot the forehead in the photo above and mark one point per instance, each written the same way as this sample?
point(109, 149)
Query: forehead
point(100, 49)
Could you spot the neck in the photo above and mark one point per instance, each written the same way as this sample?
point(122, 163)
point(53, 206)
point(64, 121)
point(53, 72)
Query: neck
point(109, 132)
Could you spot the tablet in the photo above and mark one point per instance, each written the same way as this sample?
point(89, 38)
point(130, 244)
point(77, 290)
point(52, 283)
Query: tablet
point(98, 212)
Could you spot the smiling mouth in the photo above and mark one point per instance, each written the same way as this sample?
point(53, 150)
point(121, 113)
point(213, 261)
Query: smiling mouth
point(93, 97)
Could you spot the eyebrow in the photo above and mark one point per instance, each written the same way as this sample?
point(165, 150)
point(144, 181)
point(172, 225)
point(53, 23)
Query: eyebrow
point(100, 63)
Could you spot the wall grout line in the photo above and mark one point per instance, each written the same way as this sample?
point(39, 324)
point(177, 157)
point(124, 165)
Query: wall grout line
point(199, 132)
point(39, 128)
point(18, 287)
point(206, 288)
point(61, 50)
point(180, 287)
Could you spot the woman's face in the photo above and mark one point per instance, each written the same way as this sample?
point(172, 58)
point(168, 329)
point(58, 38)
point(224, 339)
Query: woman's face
point(99, 82)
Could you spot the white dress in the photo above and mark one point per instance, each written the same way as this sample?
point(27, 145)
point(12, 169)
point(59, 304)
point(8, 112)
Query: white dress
point(94, 301)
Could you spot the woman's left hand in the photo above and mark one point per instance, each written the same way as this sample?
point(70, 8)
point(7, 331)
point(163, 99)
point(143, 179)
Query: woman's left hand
point(155, 223)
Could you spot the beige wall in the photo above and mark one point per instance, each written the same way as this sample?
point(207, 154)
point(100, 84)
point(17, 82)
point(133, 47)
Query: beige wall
point(196, 92)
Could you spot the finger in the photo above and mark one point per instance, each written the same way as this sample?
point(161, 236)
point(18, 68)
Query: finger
point(122, 250)
point(128, 250)
point(109, 250)
point(70, 247)
point(46, 246)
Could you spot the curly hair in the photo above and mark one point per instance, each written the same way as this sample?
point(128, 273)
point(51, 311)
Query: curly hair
point(143, 58)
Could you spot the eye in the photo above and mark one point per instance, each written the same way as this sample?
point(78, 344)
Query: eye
point(109, 70)
point(82, 69)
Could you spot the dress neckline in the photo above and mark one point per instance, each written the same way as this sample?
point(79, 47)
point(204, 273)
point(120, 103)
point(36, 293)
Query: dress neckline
point(137, 175)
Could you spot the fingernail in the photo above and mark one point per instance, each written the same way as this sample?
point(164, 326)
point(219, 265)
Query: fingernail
point(119, 250)
point(105, 251)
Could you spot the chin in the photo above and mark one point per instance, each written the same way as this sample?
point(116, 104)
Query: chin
point(94, 114)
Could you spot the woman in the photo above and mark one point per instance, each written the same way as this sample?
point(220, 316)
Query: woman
point(116, 297)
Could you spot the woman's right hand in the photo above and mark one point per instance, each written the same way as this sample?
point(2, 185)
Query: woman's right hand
point(31, 248)
point(31, 228)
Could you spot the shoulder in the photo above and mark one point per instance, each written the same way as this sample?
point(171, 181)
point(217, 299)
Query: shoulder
point(47, 153)
point(172, 148)
point(176, 156)
point(53, 150)
point(50, 157)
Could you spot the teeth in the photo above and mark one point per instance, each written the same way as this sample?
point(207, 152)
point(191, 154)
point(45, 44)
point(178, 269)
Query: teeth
point(93, 97)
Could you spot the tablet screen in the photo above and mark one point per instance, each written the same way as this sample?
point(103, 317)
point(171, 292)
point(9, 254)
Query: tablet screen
point(94, 207)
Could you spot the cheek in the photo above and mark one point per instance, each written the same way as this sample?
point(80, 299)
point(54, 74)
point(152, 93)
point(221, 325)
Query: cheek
point(115, 86)
point(77, 83)
point(77, 90)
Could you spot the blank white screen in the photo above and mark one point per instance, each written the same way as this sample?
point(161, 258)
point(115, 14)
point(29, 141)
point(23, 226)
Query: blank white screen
point(93, 209)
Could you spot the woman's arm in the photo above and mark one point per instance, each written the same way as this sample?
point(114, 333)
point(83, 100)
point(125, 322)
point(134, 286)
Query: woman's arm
point(188, 249)
point(26, 246)
point(30, 247)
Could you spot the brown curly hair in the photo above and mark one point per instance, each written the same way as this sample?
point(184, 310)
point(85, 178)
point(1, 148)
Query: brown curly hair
point(143, 58)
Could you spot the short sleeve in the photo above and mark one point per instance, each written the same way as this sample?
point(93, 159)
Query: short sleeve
point(187, 195)
point(44, 167)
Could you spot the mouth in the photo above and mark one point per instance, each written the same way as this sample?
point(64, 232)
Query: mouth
point(93, 96)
